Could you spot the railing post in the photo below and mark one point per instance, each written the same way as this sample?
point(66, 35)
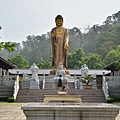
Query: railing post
point(75, 82)
point(105, 87)
point(43, 81)
point(16, 87)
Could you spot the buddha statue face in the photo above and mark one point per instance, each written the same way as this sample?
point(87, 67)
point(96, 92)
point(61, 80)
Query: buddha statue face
point(59, 22)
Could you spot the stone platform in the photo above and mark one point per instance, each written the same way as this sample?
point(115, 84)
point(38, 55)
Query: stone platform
point(64, 98)
point(82, 111)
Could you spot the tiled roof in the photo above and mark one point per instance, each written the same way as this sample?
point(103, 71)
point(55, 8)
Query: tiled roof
point(6, 64)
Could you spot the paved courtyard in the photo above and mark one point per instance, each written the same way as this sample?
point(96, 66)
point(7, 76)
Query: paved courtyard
point(12, 111)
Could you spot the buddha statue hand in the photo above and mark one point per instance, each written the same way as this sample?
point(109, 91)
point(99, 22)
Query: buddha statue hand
point(66, 45)
point(52, 34)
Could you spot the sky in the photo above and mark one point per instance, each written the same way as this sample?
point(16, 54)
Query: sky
point(20, 18)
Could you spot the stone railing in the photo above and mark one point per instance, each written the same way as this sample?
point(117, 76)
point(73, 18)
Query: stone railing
point(113, 81)
point(16, 88)
point(105, 88)
point(7, 81)
point(113, 85)
point(25, 81)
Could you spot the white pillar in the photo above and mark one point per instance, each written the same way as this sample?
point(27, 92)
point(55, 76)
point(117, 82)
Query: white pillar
point(0, 71)
point(4, 71)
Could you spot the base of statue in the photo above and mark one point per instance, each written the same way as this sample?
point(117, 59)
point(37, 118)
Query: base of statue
point(34, 85)
point(53, 72)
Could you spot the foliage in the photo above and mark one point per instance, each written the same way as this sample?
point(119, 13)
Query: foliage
point(44, 64)
point(75, 39)
point(10, 99)
point(19, 61)
point(110, 100)
point(75, 59)
point(8, 46)
point(113, 55)
point(36, 48)
point(116, 99)
point(117, 64)
point(6, 54)
point(3, 99)
point(94, 61)
point(20, 80)
point(87, 79)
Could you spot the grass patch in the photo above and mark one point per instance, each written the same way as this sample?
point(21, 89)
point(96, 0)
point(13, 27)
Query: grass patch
point(10, 99)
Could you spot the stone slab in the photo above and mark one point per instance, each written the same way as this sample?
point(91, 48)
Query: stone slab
point(68, 98)
point(82, 111)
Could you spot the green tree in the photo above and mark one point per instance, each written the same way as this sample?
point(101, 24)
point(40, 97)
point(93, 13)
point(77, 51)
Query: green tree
point(104, 46)
point(19, 61)
point(75, 59)
point(113, 55)
point(36, 47)
point(93, 61)
point(8, 46)
point(44, 64)
point(117, 64)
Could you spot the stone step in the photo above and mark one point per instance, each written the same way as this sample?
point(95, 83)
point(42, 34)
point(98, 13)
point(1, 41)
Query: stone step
point(26, 95)
point(47, 91)
point(41, 100)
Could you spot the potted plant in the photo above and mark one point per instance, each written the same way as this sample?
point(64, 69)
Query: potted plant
point(87, 79)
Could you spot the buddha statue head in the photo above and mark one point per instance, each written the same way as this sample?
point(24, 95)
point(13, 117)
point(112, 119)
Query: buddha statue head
point(59, 20)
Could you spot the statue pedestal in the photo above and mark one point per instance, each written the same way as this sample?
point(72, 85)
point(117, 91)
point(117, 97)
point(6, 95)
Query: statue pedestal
point(53, 72)
point(34, 85)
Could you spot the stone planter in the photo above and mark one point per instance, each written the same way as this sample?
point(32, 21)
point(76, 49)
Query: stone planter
point(87, 86)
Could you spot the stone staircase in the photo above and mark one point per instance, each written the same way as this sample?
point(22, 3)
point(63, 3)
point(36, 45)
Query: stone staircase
point(50, 88)
point(87, 95)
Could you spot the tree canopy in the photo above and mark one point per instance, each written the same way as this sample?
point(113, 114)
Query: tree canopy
point(19, 61)
point(8, 46)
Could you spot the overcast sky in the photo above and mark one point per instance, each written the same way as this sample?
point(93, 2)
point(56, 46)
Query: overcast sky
point(20, 18)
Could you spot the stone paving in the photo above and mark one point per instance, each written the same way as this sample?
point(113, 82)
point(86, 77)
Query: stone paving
point(12, 111)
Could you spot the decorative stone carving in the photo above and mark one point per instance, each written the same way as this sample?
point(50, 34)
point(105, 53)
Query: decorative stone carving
point(34, 82)
point(84, 70)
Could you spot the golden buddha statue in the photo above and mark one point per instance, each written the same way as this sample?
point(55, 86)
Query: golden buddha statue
point(59, 40)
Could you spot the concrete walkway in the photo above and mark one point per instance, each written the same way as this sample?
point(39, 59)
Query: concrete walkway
point(12, 111)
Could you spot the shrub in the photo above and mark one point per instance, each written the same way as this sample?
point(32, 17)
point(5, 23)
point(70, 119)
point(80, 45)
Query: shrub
point(110, 100)
point(10, 99)
point(3, 99)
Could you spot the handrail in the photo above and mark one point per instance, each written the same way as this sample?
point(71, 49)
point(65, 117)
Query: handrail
point(75, 81)
point(105, 88)
point(43, 81)
point(16, 87)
